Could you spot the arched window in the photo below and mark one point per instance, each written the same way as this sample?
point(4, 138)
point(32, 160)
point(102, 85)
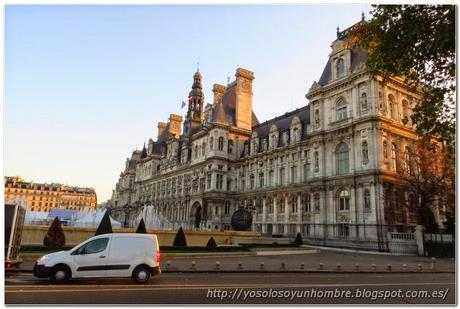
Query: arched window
point(221, 143)
point(341, 109)
point(211, 143)
point(344, 200)
point(367, 199)
point(363, 102)
point(365, 152)
point(230, 146)
point(340, 68)
point(393, 156)
point(342, 158)
point(203, 149)
point(196, 151)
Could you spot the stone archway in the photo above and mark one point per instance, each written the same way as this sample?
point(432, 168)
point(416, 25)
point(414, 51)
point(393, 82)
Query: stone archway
point(197, 212)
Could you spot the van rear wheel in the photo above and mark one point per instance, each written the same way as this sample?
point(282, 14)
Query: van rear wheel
point(59, 274)
point(141, 274)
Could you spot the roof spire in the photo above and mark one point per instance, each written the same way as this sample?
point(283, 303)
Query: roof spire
point(362, 17)
point(338, 32)
point(198, 66)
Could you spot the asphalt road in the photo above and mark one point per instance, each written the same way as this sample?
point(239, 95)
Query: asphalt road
point(239, 288)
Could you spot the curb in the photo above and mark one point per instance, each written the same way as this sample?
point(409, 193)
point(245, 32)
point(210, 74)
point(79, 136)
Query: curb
point(279, 271)
point(287, 252)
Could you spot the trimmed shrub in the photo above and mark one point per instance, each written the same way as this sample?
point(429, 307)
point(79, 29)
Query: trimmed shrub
point(211, 243)
point(141, 227)
point(105, 227)
point(298, 240)
point(179, 240)
point(55, 237)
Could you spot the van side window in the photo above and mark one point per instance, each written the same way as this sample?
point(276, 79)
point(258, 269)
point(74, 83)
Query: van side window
point(95, 246)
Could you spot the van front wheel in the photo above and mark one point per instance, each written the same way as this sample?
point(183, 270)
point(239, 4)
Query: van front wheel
point(59, 274)
point(141, 274)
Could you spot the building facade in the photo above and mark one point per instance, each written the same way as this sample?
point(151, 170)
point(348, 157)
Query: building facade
point(42, 196)
point(327, 170)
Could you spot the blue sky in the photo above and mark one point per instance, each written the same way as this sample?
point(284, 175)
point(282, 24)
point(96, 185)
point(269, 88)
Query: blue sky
point(85, 85)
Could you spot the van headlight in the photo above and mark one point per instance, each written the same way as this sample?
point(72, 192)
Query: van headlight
point(42, 260)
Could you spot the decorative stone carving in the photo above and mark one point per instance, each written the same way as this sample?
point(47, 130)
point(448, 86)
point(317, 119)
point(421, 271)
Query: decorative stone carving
point(343, 218)
point(314, 86)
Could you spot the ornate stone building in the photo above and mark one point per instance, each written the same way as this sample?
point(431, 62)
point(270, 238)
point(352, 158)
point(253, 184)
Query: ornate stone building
point(326, 170)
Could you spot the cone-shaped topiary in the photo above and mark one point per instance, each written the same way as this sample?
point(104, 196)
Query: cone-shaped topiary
point(141, 227)
point(105, 227)
point(55, 237)
point(179, 240)
point(298, 240)
point(211, 243)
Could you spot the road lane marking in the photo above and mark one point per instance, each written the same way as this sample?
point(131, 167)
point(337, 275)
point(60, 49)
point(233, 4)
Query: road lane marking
point(198, 287)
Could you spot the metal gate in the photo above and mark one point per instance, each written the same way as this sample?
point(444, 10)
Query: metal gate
point(439, 245)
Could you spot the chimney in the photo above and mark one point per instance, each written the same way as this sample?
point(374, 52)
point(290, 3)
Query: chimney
point(219, 91)
point(243, 109)
point(161, 128)
point(175, 124)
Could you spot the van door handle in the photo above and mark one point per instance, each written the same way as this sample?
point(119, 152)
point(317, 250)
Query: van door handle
point(102, 256)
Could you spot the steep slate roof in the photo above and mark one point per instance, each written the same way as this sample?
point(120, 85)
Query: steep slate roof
point(283, 122)
point(219, 114)
point(229, 104)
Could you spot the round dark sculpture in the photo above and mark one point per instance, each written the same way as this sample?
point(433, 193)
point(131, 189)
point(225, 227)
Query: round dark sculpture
point(241, 220)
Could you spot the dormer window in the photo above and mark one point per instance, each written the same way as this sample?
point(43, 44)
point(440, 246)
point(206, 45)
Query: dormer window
point(274, 141)
point(340, 68)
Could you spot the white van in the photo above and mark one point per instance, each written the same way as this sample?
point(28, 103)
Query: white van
point(108, 255)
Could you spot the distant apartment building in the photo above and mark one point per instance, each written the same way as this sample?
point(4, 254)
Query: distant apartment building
point(43, 196)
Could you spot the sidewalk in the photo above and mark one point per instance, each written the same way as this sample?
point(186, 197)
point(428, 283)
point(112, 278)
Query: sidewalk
point(310, 261)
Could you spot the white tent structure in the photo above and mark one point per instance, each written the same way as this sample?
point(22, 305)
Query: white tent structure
point(35, 217)
point(92, 219)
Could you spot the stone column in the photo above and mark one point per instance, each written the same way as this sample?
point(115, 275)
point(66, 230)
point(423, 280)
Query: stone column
point(299, 213)
point(286, 215)
point(264, 216)
point(213, 180)
point(419, 231)
point(275, 216)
